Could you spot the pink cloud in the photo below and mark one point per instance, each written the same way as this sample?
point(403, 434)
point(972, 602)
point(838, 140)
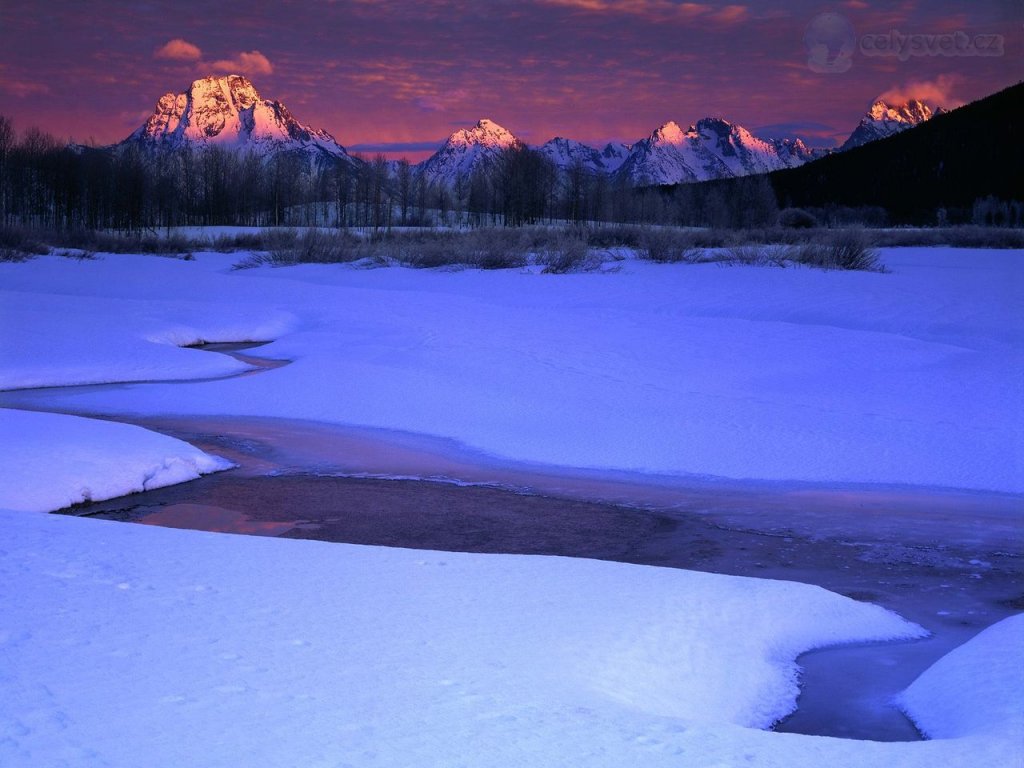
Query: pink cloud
point(730, 14)
point(22, 88)
point(660, 9)
point(937, 92)
point(247, 62)
point(179, 50)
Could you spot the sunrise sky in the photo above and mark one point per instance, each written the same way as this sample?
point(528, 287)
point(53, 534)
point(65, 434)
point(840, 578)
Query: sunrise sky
point(385, 75)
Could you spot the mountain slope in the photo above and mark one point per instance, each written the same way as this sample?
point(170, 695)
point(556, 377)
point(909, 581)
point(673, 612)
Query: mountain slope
point(949, 161)
point(710, 149)
point(884, 119)
point(467, 150)
point(568, 153)
point(228, 112)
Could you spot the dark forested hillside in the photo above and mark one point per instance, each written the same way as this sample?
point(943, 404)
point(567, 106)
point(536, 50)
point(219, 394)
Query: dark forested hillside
point(949, 162)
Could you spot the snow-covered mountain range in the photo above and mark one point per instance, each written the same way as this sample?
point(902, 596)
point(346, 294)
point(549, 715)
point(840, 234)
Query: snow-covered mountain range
point(711, 149)
point(228, 112)
point(885, 119)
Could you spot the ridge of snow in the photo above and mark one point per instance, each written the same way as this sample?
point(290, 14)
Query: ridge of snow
point(54, 461)
point(964, 693)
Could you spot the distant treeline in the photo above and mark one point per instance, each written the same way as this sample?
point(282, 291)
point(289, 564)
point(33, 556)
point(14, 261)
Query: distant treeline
point(44, 184)
point(963, 166)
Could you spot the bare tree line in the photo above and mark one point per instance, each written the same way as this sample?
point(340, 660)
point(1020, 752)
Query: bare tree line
point(48, 185)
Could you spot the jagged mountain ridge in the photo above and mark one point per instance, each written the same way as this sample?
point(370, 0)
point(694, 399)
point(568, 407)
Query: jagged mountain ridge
point(712, 148)
point(885, 119)
point(567, 153)
point(228, 112)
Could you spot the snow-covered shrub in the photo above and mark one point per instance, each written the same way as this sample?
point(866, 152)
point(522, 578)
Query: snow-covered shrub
point(493, 248)
point(16, 244)
point(315, 246)
point(426, 249)
point(614, 236)
point(567, 252)
point(756, 255)
point(666, 244)
point(964, 236)
point(243, 241)
point(841, 249)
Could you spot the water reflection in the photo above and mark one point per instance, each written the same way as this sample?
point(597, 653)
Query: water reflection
point(203, 517)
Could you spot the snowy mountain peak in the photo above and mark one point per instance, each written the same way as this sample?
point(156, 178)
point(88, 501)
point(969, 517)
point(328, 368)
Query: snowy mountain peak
point(487, 133)
point(912, 111)
point(236, 90)
point(886, 119)
point(466, 150)
point(486, 124)
point(669, 133)
point(228, 111)
point(711, 148)
point(714, 125)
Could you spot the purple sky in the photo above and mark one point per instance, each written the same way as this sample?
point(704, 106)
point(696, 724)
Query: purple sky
point(403, 75)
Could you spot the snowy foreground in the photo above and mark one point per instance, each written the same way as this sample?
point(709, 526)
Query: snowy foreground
point(127, 645)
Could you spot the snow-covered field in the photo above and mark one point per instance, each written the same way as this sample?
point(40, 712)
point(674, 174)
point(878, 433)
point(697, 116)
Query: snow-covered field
point(127, 645)
point(911, 377)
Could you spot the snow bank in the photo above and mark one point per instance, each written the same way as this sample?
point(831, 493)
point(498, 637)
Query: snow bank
point(910, 377)
point(124, 643)
point(68, 325)
point(53, 461)
point(977, 689)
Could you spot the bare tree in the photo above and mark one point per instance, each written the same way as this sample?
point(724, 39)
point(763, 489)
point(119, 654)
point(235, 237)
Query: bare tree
point(525, 181)
point(404, 179)
point(6, 145)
